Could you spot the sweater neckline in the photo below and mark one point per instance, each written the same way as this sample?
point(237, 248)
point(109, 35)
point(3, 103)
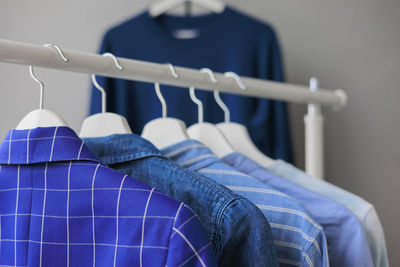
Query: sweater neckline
point(209, 26)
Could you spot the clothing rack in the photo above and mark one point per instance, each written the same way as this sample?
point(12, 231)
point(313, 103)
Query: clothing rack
point(47, 57)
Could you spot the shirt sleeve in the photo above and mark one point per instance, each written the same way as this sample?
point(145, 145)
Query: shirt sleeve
point(247, 239)
point(269, 125)
point(189, 245)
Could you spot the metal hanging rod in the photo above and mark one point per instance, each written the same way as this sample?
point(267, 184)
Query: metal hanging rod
point(40, 56)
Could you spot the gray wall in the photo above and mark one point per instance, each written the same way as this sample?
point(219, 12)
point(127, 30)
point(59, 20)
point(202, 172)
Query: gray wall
point(349, 44)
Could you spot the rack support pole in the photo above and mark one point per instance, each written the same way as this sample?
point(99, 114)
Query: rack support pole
point(314, 137)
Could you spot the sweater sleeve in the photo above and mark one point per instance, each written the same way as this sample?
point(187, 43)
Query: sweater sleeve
point(269, 126)
point(189, 245)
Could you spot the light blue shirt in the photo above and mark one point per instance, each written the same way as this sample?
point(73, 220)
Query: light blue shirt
point(299, 240)
point(364, 210)
point(347, 242)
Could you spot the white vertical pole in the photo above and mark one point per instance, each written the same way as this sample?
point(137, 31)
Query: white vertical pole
point(314, 137)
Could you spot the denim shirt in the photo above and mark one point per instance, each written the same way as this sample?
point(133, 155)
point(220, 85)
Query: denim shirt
point(347, 242)
point(298, 238)
point(364, 210)
point(60, 206)
point(239, 232)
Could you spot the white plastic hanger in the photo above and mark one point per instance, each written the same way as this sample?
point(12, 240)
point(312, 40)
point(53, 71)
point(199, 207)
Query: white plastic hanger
point(104, 123)
point(164, 131)
point(205, 132)
point(42, 117)
point(236, 133)
point(163, 6)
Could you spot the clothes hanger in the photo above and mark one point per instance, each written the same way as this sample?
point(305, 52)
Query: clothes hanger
point(205, 132)
point(104, 123)
point(163, 6)
point(42, 117)
point(236, 133)
point(164, 131)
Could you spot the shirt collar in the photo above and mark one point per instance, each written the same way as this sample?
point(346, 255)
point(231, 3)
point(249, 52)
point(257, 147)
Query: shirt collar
point(39, 145)
point(191, 154)
point(118, 148)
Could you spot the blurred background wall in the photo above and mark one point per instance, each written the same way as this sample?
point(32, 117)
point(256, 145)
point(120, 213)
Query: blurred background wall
point(349, 44)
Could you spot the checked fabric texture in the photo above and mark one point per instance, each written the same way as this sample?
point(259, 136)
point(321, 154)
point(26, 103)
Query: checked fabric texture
point(60, 206)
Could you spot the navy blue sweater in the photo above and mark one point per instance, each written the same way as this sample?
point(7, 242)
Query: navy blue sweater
point(230, 41)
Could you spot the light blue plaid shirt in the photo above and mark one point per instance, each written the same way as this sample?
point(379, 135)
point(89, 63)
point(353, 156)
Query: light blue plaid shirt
point(298, 238)
point(60, 206)
point(364, 210)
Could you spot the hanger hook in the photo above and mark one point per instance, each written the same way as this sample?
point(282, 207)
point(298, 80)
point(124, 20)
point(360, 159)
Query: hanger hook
point(236, 78)
point(40, 84)
point(172, 70)
point(101, 89)
point(57, 48)
point(114, 59)
point(32, 73)
point(199, 104)
point(217, 97)
point(210, 74)
point(158, 90)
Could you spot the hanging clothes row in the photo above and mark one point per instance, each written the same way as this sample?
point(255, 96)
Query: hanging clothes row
point(225, 40)
point(114, 198)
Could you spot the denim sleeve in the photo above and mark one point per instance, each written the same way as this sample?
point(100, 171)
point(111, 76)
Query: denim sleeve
point(250, 240)
point(189, 245)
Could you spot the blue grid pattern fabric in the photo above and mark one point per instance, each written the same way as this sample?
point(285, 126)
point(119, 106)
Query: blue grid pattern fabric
point(60, 206)
point(299, 240)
